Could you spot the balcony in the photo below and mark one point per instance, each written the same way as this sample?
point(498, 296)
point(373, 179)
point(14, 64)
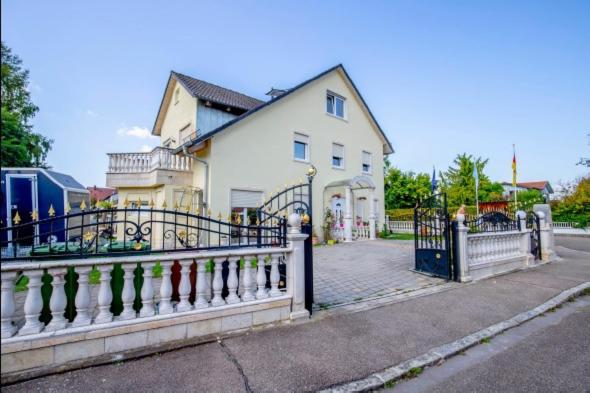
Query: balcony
point(158, 167)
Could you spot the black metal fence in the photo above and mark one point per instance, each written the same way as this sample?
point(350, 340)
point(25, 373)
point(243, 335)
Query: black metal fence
point(112, 231)
point(492, 222)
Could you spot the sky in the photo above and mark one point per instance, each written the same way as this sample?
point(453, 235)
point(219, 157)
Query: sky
point(441, 77)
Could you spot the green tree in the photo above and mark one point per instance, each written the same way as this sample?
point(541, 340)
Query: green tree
point(458, 182)
point(20, 146)
point(404, 189)
point(574, 207)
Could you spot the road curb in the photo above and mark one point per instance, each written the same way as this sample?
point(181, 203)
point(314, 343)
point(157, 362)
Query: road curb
point(435, 355)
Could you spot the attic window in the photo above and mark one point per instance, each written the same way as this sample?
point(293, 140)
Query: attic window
point(177, 95)
point(335, 105)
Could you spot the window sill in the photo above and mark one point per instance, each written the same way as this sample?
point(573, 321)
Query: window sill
point(344, 119)
point(301, 161)
point(367, 173)
point(340, 168)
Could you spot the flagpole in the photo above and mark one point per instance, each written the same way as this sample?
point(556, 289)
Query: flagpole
point(514, 177)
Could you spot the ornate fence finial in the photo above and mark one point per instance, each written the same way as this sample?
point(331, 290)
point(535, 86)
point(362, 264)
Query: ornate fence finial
point(164, 204)
point(83, 205)
point(16, 218)
point(35, 215)
point(51, 211)
point(152, 204)
point(125, 203)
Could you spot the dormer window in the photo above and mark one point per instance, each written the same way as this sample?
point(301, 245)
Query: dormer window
point(335, 105)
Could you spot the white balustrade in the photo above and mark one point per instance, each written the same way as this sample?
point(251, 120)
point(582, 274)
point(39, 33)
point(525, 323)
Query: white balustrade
point(8, 304)
point(58, 301)
point(184, 288)
point(232, 283)
point(400, 226)
point(254, 289)
point(248, 295)
point(105, 295)
point(218, 283)
point(158, 158)
point(261, 293)
point(201, 290)
point(147, 291)
point(165, 306)
point(128, 293)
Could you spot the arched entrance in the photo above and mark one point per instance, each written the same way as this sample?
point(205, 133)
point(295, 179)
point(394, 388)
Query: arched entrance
point(348, 206)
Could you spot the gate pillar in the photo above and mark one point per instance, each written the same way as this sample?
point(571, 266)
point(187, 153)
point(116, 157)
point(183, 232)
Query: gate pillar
point(545, 230)
point(461, 248)
point(296, 267)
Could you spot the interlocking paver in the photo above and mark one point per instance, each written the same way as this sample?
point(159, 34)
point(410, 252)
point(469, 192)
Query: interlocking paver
point(354, 271)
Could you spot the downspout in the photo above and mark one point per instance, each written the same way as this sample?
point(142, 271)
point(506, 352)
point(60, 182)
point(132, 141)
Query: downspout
point(186, 153)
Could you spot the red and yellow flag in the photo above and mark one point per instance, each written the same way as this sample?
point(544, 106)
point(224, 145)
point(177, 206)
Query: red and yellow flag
point(513, 167)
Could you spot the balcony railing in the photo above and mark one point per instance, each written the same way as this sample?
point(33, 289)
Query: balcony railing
point(159, 158)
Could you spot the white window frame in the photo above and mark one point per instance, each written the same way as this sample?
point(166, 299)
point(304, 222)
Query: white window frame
point(343, 158)
point(370, 171)
point(336, 97)
point(307, 148)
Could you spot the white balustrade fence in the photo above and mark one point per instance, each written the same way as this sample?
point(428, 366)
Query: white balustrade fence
point(361, 232)
point(154, 300)
point(400, 226)
point(159, 158)
point(486, 254)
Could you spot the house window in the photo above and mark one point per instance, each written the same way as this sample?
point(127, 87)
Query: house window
point(184, 135)
point(244, 205)
point(301, 147)
point(367, 163)
point(176, 95)
point(337, 155)
point(335, 105)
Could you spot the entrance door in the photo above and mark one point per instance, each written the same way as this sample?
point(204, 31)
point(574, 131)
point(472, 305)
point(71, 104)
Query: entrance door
point(432, 237)
point(338, 209)
point(22, 198)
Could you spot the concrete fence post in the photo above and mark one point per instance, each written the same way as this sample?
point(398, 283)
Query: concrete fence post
point(545, 229)
point(462, 255)
point(296, 267)
point(525, 240)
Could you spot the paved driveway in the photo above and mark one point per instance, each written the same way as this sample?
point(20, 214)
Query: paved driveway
point(351, 272)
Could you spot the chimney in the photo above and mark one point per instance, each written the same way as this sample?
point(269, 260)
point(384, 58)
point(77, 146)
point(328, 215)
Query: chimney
point(274, 93)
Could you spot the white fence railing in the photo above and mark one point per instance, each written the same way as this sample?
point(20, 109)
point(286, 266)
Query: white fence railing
point(159, 158)
point(486, 254)
point(566, 225)
point(400, 226)
point(361, 232)
point(154, 301)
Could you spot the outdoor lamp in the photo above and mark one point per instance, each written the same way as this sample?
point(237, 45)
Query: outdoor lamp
point(311, 172)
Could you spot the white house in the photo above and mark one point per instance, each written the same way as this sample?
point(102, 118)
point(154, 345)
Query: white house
point(223, 152)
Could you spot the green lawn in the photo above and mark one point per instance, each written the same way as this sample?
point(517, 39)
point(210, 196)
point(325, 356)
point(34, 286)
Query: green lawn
point(399, 236)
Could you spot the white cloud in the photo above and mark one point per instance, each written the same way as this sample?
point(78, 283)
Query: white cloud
point(92, 113)
point(145, 148)
point(136, 132)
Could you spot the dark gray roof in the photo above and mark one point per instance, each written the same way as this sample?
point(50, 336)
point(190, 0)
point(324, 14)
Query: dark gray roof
point(66, 180)
point(221, 95)
point(287, 93)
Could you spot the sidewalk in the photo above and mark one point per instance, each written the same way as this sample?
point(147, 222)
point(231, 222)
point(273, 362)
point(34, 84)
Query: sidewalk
point(331, 350)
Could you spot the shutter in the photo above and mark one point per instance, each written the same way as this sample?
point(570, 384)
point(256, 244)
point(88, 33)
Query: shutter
point(367, 158)
point(241, 198)
point(337, 150)
point(301, 138)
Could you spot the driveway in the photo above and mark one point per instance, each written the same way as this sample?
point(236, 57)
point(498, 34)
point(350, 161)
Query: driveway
point(357, 271)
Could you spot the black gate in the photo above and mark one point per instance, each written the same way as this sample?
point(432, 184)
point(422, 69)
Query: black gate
point(432, 237)
point(533, 223)
point(296, 198)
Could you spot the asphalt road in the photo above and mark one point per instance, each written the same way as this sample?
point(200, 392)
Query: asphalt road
point(548, 354)
point(573, 242)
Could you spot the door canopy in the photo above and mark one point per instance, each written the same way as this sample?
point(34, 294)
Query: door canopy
point(356, 183)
